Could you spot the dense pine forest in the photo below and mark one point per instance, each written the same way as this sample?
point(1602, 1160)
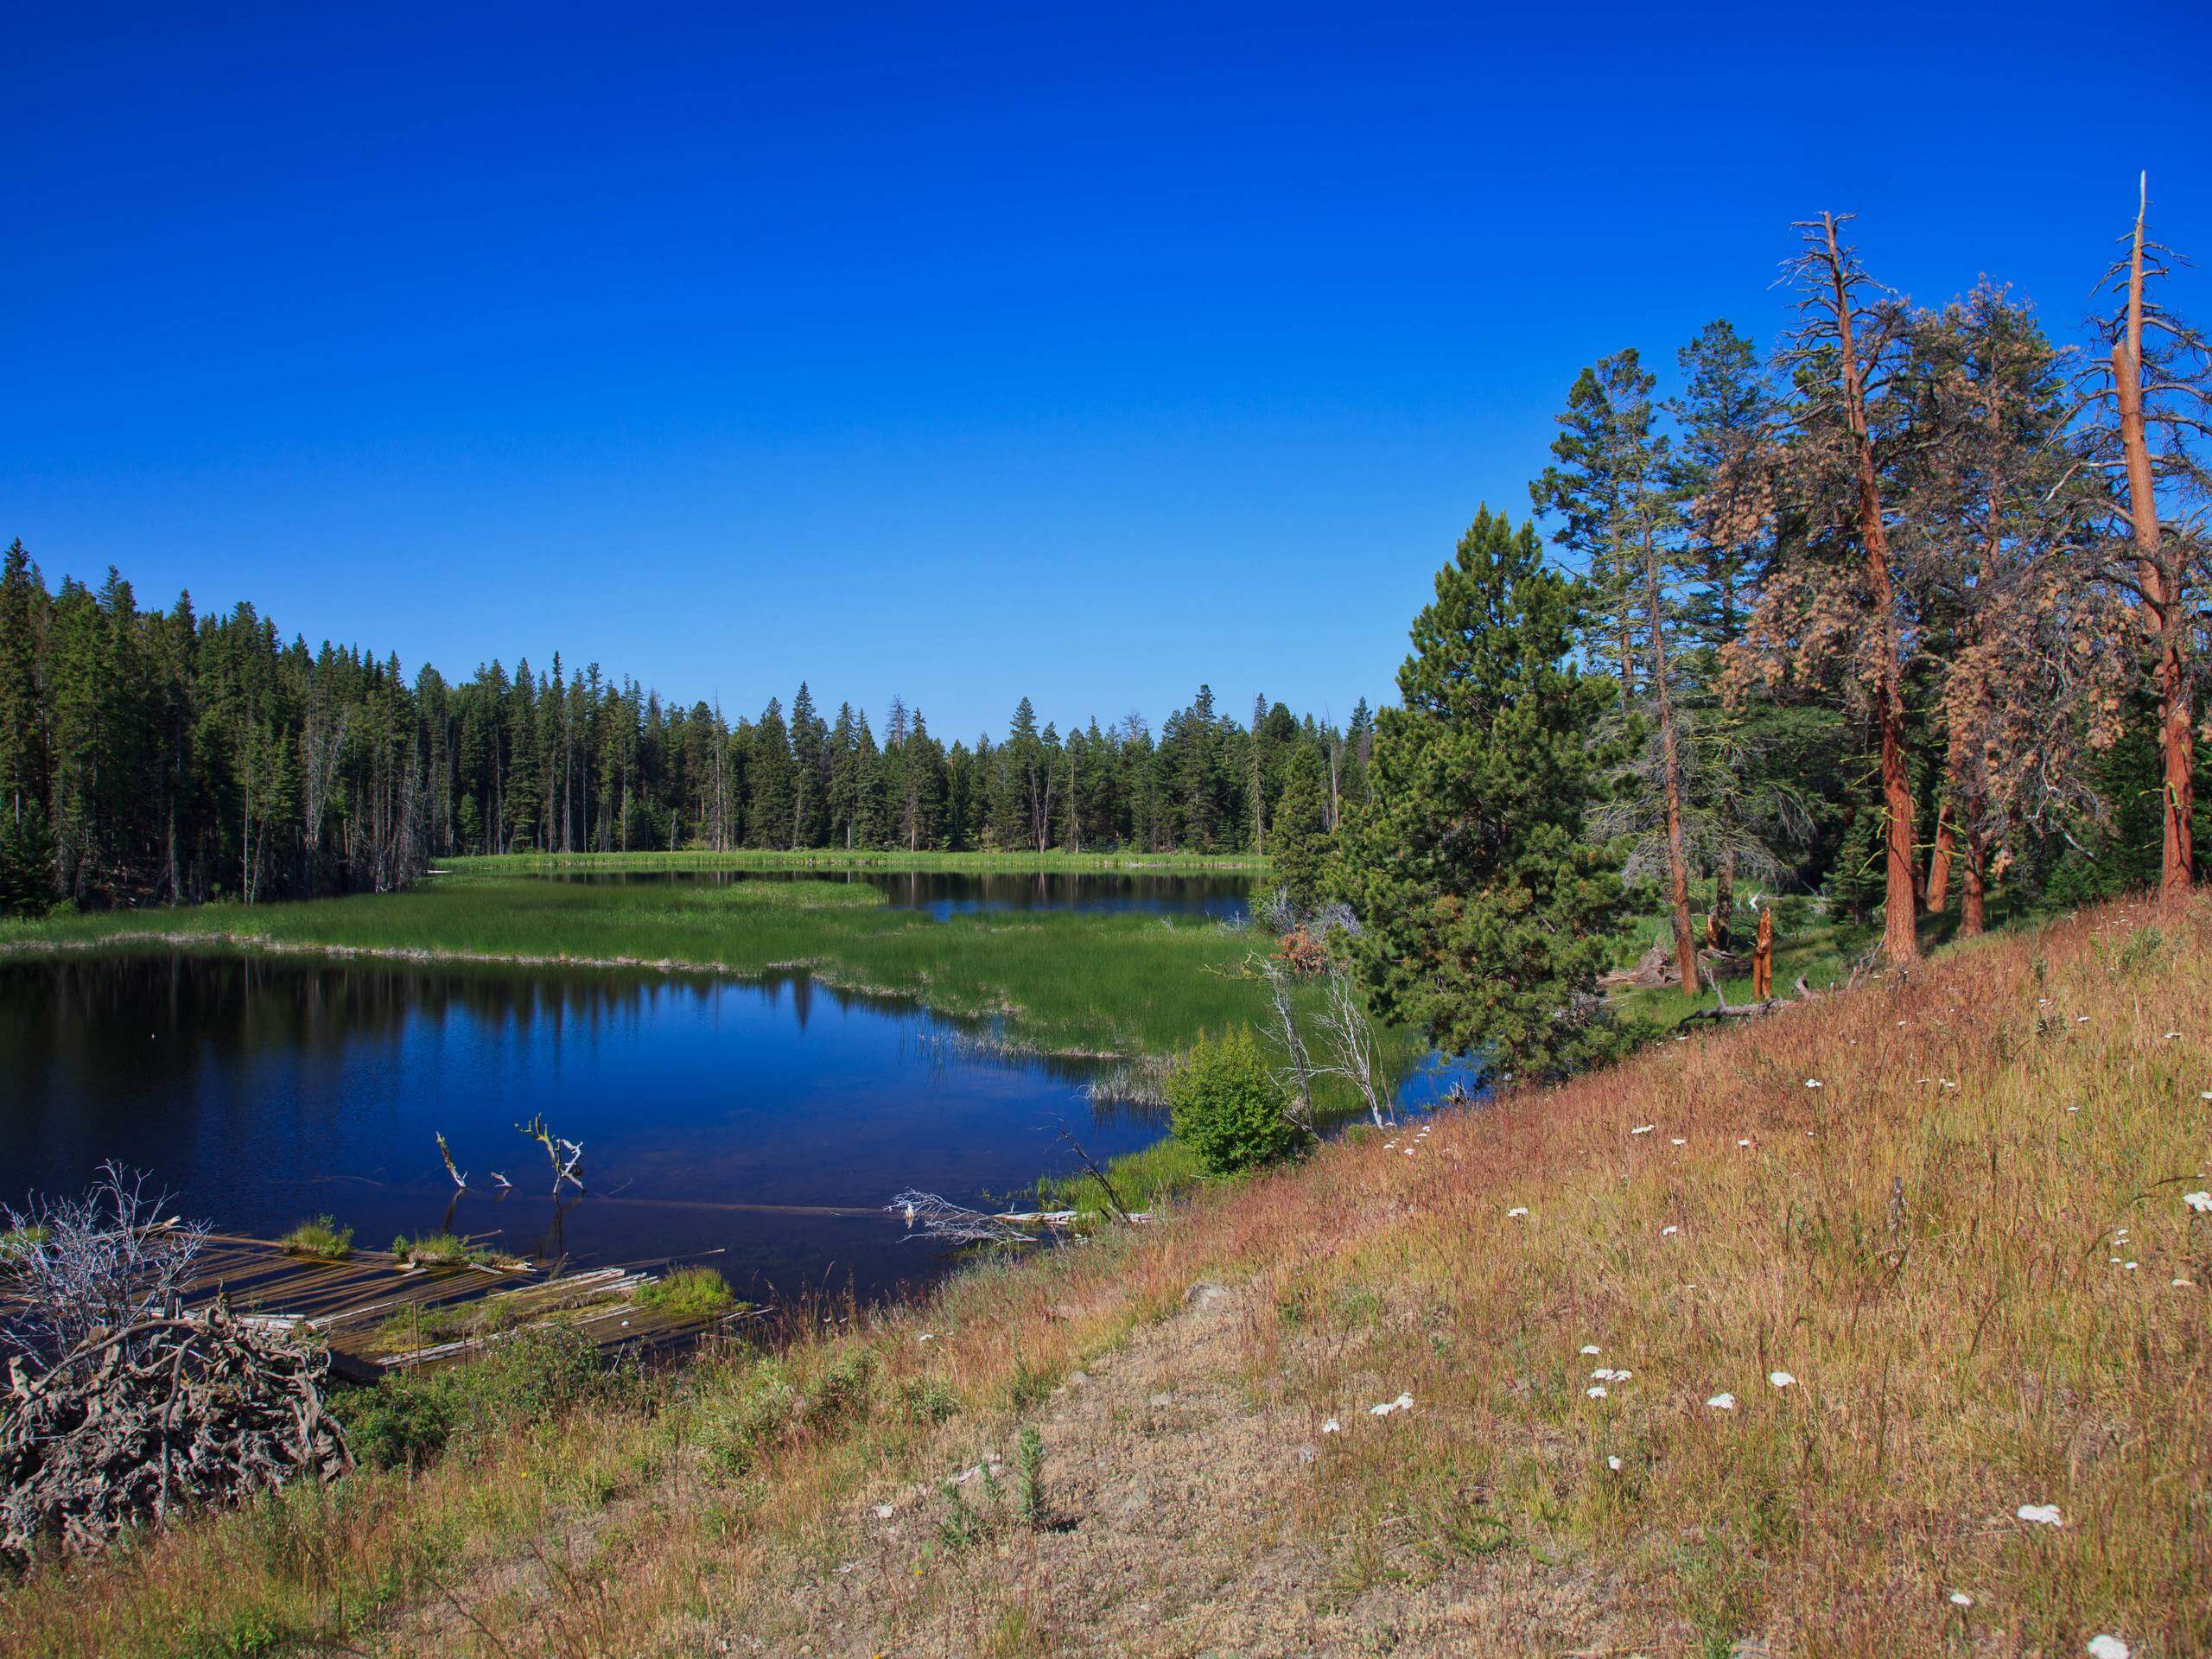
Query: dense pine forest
point(1912, 607)
point(159, 757)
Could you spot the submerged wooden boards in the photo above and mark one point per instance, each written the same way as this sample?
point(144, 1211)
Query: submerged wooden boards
point(379, 1314)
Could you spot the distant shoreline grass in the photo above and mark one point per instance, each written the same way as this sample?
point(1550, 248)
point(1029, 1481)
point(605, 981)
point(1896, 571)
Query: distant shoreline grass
point(1056, 862)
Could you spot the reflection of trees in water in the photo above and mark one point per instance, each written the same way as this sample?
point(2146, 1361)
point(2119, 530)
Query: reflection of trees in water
point(209, 1006)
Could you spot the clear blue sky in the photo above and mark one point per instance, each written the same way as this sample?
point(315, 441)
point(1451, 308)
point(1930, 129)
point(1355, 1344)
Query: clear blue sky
point(959, 354)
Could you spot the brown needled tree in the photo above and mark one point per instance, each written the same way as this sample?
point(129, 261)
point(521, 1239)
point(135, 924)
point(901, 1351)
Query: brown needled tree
point(1841, 354)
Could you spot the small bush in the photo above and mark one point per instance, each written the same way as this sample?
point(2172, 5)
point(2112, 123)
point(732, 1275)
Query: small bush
point(408, 1419)
point(689, 1293)
point(322, 1238)
point(927, 1401)
point(744, 1409)
point(1229, 1109)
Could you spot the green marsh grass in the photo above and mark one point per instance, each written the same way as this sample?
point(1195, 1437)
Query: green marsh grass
point(321, 1238)
point(689, 1293)
point(1081, 982)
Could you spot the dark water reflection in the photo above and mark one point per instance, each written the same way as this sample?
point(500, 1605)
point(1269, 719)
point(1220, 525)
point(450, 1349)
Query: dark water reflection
point(943, 893)
point(765, 1121)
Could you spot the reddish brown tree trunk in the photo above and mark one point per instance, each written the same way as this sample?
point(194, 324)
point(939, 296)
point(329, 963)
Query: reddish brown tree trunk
point(1900, 944)
point(2160, 579)
point(1971, 915)
point(1939, 862)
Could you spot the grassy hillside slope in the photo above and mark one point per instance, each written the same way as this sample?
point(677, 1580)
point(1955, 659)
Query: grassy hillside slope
point(1968, 1248)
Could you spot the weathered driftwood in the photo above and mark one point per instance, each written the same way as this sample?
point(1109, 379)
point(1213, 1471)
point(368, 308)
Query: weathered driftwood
point(165, 1414)
point(930, 1216)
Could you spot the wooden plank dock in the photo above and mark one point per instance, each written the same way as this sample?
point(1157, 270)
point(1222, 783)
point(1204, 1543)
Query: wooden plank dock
point(380, 1314)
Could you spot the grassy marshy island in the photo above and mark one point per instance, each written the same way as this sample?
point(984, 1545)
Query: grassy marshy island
point(1877, 1327)
point(1085, 983)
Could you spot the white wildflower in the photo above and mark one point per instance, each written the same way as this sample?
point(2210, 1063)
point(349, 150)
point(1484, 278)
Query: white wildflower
point(1665, 1232)
point(1590, 1348)
point(2200, 1202)
point(1517, 1210)
point(1959, 1598)
point(1613, 1464)
point(1332, 1427)
point(883, 1511)
point(2041, 1515)
point(1743, 1143)
point(1676, 1141)
point(1812, 1083)
point(1603, 1374)
point(1646, 1129)
point(1596, 1391)
point(2108, 1647)
point(1782, 1379)
point(1722, 1402)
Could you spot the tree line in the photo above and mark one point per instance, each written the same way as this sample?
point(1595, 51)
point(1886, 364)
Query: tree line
point(1911, 611)
point(161, 757)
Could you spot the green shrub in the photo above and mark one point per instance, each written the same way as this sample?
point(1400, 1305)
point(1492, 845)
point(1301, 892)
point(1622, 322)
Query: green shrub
point(322, 1238)
point(1229, 1109)
point(927, 1401)
point(530, 1377)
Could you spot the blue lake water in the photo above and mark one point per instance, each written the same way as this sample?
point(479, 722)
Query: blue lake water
point(768, 1123)
point(761, 1126)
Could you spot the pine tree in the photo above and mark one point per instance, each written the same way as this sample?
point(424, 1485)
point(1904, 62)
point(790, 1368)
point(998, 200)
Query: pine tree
point(1481, 906)
point(768, 781)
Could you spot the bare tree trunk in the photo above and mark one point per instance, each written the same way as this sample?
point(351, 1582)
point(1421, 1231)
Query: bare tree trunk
point(1721, 925)
point(1900, 944)
point(1678, 878)
point(2159, 576)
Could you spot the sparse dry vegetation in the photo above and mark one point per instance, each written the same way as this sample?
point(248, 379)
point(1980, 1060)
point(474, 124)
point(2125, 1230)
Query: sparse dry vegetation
point(1969, 1248)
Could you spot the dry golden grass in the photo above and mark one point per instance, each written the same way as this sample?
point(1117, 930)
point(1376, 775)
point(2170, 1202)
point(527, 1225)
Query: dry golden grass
point(1963, 1245)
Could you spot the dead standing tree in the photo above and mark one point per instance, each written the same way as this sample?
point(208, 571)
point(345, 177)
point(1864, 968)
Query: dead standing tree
point(2149, 407)
point(1831, 600)
point(2026, 677)
point(1847, 337)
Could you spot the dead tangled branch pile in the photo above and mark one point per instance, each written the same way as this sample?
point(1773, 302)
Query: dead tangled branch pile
point(120, 1408)
point(165, 1414)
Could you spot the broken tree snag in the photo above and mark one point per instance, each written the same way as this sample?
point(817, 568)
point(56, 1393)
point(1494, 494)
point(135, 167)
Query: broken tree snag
point(2159, 572)
point(1763, 958)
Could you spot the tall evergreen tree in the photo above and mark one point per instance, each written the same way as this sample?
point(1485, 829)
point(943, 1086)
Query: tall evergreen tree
point(1483, 906)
